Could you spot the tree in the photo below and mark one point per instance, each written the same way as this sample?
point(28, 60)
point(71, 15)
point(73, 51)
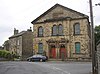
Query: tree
point(97, 34)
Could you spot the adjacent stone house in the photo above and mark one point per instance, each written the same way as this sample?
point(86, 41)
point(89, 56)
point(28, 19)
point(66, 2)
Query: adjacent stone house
point(61, 32)
point(21, 43)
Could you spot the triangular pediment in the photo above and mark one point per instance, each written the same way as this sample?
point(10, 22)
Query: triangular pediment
point(58, 12)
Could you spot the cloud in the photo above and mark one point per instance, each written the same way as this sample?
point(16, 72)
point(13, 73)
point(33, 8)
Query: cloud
point(19, 13)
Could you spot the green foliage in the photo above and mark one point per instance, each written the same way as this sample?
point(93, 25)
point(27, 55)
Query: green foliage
point(8, 55)
point(2, 53)
point(97, 34)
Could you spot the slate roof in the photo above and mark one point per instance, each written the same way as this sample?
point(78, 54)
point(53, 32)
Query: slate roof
point(56, 5)
point(16, 35)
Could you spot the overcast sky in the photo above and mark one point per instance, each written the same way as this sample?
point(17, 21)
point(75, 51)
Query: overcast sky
point(19, 13)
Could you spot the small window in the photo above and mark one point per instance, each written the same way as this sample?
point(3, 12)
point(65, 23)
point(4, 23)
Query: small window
point(60, 29)
point(77, 47)
point(17, 42)
point(77, 28)
point(40, 31)
point(54, 30)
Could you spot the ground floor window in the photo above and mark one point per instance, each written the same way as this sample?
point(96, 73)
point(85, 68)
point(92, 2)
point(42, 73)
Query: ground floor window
point(40, 48)
point(77, 47)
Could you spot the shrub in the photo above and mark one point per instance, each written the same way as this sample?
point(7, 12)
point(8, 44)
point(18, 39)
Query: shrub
point(8, 55)
point(5, 54)
point(2, 53)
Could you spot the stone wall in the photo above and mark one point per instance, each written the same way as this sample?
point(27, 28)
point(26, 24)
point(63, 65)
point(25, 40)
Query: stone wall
point(14, 46)
point(83, 38)
point(27, 47)
point(60, 12)
point(67, 17)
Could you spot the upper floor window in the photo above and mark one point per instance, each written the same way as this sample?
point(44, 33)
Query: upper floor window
point(77, 28)
point(60, 30)
point(40, 31)
point(54, 30)
point(17, 42)
point(57, 30)
point(77, 47)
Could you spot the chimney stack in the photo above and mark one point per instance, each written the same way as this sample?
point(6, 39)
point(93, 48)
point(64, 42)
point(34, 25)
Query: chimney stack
point(30, 29)
point(15, 31)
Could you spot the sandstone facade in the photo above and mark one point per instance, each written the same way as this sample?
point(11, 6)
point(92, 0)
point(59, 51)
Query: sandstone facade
point(60, 15)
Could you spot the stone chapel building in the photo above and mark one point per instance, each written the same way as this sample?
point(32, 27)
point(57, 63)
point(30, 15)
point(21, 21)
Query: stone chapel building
point(62, 32)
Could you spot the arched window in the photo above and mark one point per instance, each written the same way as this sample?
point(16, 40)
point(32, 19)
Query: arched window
point(77, 28)
point(60, 29)
point(77, 47)
point(54, 30)
point(40, 31)
point(40, 48)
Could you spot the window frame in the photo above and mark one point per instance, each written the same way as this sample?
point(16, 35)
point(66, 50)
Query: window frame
point(40, 31)
point(59, 32)
point(77, 29)
point(40, 51)
point(77, 47)
point(18, 42)
point(55, 30)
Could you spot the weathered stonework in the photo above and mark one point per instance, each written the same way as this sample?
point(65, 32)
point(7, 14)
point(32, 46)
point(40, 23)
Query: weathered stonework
point(67, 17)
point(21, 44)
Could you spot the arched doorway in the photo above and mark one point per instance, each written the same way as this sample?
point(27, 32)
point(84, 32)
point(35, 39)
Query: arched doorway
point(53, 51)
point(62, 52)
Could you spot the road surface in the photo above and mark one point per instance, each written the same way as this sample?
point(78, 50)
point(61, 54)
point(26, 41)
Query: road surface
point(45, 67)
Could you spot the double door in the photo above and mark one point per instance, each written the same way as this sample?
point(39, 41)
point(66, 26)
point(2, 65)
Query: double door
point(54, 54)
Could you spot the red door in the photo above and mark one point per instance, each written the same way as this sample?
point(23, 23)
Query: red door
point(53, 52)
point(62, 52)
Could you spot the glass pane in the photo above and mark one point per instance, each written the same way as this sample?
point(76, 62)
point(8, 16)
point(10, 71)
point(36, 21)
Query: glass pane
point(77, 28)
point(40, 48)
point(54, 30)
point(40, 31)
point(60, 30)
point(77, 47)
